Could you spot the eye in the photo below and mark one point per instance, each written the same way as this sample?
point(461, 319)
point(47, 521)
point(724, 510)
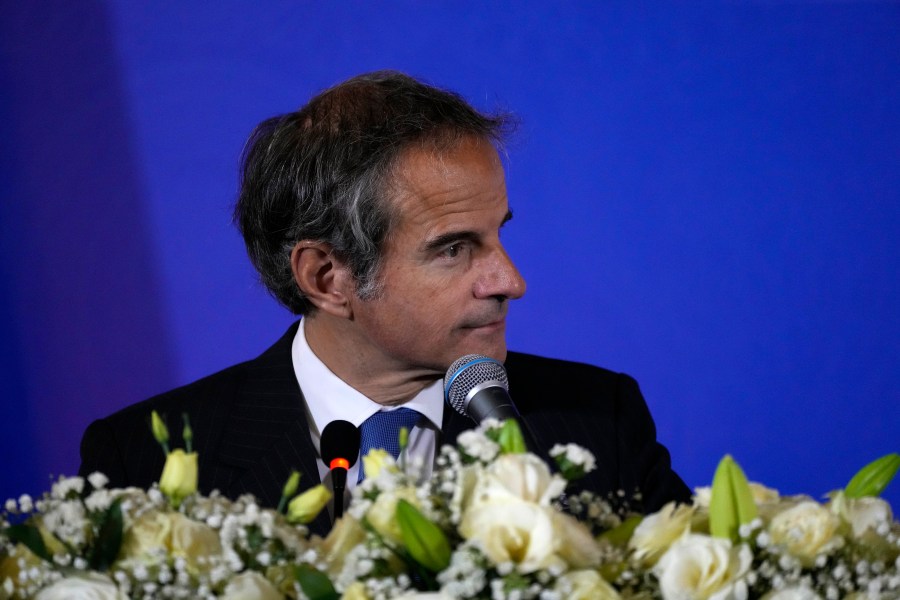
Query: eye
point(453, 250)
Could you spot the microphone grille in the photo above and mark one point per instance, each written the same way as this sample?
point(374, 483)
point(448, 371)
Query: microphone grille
point(468, 371)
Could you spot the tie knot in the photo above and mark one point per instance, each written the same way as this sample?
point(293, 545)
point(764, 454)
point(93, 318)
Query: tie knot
point(382, 430)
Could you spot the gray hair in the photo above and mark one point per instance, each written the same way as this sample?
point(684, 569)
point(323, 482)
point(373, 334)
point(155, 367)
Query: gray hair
point(324, 173)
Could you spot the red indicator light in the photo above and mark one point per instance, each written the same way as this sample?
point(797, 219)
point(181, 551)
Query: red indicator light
point(340, 462)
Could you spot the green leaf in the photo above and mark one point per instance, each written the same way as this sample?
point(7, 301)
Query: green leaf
point(510, 438)
point(109, 538)
point(621, 534)
point(314, 583)
point(874, 477)
point(732, 502)
point(30, 537)
point(424, 540)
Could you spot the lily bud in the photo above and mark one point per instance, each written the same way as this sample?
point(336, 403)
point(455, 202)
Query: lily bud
point(404, 438)
point(424, 540)
point(179, 476)
point(289, 489)
point(187, 433)
point(290, 486)
point(160, 431)
point(510, 438)
point(307, 505)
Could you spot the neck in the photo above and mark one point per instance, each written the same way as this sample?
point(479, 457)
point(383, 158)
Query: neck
point(381, 379)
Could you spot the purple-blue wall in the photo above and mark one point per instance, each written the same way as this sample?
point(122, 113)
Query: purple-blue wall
point(707, 198)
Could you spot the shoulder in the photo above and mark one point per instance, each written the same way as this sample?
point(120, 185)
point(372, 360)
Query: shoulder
point(215, 392)
point(212, 391)
point(530, 372)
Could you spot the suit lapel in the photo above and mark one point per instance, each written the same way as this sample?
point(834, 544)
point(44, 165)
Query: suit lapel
point(266, 434)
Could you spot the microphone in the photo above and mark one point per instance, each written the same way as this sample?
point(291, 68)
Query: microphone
point(340, 448)
point(476, 386)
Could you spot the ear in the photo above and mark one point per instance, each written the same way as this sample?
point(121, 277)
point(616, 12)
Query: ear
point(324, 279)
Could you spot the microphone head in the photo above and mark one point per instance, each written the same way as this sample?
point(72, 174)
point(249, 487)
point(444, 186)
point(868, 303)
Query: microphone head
point(340, 439)
point(470, 371)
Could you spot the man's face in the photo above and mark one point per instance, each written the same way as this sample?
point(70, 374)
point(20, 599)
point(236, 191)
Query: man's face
point(445, 279)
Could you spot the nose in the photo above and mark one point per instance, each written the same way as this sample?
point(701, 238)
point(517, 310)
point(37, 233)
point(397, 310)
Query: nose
point(500, 278)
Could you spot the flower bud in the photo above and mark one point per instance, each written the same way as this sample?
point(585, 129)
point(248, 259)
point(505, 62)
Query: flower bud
point(305, 507)
point(179, 476)
point(289, 489)
point(160, 431)
point(290, 486)
point(424, 540)
point(404, 438)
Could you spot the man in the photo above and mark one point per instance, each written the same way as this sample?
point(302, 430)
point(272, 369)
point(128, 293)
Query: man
point(375, 213)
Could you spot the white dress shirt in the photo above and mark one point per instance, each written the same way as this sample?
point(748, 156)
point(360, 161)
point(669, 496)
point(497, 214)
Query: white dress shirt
point(329, 398)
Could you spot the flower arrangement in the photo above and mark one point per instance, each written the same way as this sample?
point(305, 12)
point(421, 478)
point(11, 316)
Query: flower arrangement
point(493, 521)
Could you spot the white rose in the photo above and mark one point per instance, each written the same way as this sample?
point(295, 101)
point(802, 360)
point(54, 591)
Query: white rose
point(656, 532)
point(700, 567)
point(793, 593)
point(149, 534)
point(192, 539)
point(531, 536)
point(346, 534)
point(157, 533)
point(585, 585)
point(574, 542)
point(90, 587)
point(356, 591)
point(862, 514)
point(806, 531)
point(520, 477)
point(250, 585)
point(517, 532)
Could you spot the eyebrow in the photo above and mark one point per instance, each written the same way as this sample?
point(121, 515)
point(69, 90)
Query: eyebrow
point(459, 236)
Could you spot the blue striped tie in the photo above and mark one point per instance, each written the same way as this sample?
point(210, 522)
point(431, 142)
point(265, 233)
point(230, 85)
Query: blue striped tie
point(382, 430)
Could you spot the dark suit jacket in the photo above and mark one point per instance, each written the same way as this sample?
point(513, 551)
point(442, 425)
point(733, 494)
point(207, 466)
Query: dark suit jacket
point(250, 429)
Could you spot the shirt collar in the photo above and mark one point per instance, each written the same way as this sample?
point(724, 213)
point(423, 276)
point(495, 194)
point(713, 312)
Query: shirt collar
point(328, 397)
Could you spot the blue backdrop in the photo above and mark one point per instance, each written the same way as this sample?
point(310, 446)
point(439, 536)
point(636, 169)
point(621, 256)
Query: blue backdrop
point(706, 198)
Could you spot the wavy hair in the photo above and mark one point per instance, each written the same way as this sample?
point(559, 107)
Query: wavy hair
point(324, 173)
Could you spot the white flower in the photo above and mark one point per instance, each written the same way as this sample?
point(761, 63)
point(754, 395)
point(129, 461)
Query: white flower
point(517, 476)
point(356, 591)
point(477, 445)
point(346, 534)
point(531, 536)
point(658, 531)
point(575, 454)
point(585, 585)
point(806, 531)
point(516, 532)
point(792, 593)
point(89, 587)
point(382, 515)
point(65, 485)
point(157, 533)
point(98, 480)
point(699, 567)
point(250, 585)
point(862, 514)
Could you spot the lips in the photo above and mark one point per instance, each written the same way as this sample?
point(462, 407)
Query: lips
point(495, 324)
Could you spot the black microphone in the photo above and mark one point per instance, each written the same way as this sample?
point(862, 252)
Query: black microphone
point(340, 448)
point(476, 386)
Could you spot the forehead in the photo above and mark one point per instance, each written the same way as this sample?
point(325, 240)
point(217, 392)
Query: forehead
point(435, 184)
